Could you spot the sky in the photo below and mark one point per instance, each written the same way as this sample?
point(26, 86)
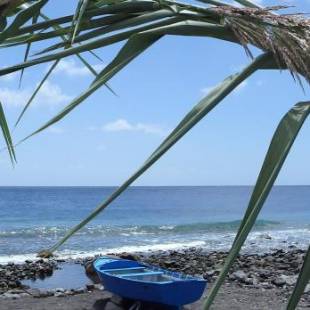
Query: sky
point(108, 137)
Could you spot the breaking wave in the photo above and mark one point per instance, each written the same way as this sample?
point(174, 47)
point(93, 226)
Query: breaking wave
point(54, 231)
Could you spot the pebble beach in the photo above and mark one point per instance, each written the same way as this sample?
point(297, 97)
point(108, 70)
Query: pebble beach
point(256, 281)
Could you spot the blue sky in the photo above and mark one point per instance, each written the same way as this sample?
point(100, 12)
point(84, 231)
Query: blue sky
point(107, 137)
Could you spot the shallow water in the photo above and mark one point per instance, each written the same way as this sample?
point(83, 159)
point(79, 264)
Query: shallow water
point(147, 218)
point(70, 276)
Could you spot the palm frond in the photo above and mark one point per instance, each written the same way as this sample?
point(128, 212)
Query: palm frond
point(49, 72)
point(286, 36)
point(46, 76)
point(34, 20)
point(278, 151)
point(250, 4)
point(283, 39)
point(22, 18)
point(189, 121)
point(77, 19)
point(7, 135)
point(302, 281)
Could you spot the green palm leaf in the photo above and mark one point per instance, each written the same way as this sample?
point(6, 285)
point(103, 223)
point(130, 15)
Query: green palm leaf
point(101, 23)
point(279, 148)
point(117, 25)
point(7, 135)
point(48, 73)
point(34, 20)
point(189, 121)
point(249, 4)
point(128, 7)
point(82, 59)
point(303, 280)
point(171, 26)
point(23, 17)
point(3, 23)
point(134, 47)
point(131, 50)
point(214, 2)
point(77, 19)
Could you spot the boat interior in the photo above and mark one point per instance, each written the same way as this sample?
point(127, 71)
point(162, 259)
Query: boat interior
point(143, 274)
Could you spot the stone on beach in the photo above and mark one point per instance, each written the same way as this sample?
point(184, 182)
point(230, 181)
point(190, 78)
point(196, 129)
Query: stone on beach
point(276, 271)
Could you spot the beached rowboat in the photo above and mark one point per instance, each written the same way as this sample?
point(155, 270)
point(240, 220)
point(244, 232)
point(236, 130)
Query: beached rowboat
point(138, 281)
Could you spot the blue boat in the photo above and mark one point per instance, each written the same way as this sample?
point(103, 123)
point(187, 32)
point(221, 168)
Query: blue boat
point(137, 281)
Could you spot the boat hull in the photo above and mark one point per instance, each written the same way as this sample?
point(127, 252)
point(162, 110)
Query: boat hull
point(155, 285)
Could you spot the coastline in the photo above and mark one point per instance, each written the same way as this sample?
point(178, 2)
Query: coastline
point(266, 280)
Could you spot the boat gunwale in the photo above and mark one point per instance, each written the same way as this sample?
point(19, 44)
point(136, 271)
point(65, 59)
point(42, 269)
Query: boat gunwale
point(182, 278)
point(127, 277)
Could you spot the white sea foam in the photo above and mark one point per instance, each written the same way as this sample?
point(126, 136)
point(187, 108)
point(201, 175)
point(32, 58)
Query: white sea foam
point(19, 258)
point(257, 242)
point(69, 254)
point(166, 227)
point(141, 248)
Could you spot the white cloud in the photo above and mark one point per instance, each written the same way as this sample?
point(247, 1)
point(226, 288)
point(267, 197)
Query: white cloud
point(9, 77)
point(9, 97)
point(206, 90)
point(71, 68)
point(55, 130)
point(50, 94)
point(149, 128)
point(124, 125)
point(66, 66)
point(118, 125)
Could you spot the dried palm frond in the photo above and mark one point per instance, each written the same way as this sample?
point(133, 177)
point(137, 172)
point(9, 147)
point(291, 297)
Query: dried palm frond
point(287, 37)
point(7, 5)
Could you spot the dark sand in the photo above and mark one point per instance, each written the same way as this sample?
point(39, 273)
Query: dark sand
point(230, 297)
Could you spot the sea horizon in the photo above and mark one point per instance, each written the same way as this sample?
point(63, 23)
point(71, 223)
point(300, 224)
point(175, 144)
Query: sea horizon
point(174, 217)
point(113, 186)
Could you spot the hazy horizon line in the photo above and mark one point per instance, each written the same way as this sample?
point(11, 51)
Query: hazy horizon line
point(229, 185)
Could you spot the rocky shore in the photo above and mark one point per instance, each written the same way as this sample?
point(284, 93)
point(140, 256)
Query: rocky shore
point(266, 274)
point(278, 269)
point(12, 274)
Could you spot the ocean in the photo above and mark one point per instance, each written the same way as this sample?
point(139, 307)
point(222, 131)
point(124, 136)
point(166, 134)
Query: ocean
point(148, 218)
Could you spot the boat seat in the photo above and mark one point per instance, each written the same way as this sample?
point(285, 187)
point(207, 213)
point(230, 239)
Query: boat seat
point(123, 270)
point(147, 273)
point(155, 277)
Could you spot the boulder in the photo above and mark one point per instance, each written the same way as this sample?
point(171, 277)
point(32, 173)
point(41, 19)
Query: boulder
point(239, 275)
point(91, 272)
point(289, 280)
point(129, 256)
point(279, 281)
